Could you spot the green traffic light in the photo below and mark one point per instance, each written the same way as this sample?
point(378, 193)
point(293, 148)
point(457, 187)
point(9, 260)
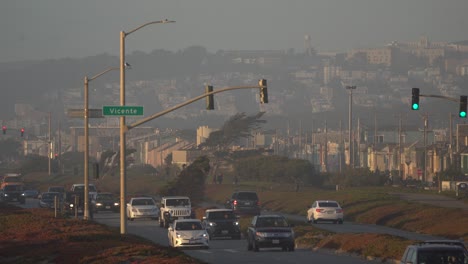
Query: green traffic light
point(463, 114)
point(415, 106)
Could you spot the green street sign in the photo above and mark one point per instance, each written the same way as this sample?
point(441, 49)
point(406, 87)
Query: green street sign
point(122, 110)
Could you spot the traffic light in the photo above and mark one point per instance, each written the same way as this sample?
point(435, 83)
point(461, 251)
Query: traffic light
point(462, 112)
point(22, 131)
point(209, 98)
point(4, 128)
point(415, 99)
point(263, 91)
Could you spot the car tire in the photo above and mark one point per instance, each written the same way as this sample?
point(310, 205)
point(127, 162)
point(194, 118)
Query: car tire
point(255, 246)
point(292, 247)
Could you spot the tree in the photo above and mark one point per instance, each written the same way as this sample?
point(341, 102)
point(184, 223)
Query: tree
point(9, 149)
point(191, 180)
point(238, 126)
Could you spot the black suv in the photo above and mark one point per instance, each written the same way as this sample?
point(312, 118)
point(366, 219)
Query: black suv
point(270, 231)
point(105, 201)
point(434, 252)
point(221, 223)
point(12, 192)
point(244, 202)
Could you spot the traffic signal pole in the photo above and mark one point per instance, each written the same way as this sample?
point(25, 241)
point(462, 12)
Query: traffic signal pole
point(144, 120)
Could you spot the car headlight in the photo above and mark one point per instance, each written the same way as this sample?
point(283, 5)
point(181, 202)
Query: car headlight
point(212, 223)
point(116, 204)
point(6, 194)
point(236, 223)
point(71, 205)
point(261, 234)
point(178, 235)
point(23, 194)
point(98, 204)
point(204, 235)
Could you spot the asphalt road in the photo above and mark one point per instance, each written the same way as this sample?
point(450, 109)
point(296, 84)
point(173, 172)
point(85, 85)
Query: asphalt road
point(229, 251)
point(235, 251)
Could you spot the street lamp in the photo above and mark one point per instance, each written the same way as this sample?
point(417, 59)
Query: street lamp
point(351, 146)
point(123, 204)
point(86, 135)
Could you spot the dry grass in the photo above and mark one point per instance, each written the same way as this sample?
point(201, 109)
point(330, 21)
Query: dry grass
point(35, 236)
point(364, 205)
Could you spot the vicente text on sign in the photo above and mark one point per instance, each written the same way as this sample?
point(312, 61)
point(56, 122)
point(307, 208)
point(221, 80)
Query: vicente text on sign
point(122, 110)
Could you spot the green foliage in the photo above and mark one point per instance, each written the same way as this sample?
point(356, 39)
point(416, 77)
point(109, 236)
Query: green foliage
point(34, 163)
point(191, 180)
point(238, 126)
point(357, 177)
point(276, 169)
point(9, 148)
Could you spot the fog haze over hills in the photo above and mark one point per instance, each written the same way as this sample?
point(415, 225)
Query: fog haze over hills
point(55, 29)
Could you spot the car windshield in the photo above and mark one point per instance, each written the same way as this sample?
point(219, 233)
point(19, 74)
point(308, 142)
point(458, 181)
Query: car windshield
point(13, 188)
point(247, 196)
point(328, 204)
point(442, 256)
point(177, 202)
point(105, 196)
point(271, 222)
point(189, 226)
point(56, 189)
point(221, 215)
point(80, 188)
point(49, 195)
point(143, 202)
point(12, 179)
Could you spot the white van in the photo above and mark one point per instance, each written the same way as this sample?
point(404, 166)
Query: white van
point(79, 187)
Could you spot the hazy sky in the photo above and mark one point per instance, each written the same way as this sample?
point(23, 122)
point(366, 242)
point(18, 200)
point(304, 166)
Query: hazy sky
point(54, 29)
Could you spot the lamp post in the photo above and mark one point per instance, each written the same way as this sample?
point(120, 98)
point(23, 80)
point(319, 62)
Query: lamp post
point(350, 125)
point(123, 204)
point(86, 135)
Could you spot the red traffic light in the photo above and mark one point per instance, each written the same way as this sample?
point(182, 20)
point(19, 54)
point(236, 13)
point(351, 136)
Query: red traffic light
point(4, 128)
point(22, 131)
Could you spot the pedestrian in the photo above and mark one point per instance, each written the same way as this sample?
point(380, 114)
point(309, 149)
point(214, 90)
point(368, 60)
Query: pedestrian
point(214, 179)
point(236, 180)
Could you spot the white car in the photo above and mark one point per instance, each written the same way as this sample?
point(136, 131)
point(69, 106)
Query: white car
point(325, 210)
point(142, 207)
point(187, 233)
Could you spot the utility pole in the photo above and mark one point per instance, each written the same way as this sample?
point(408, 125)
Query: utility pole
point(326, 147)
point(341, 146)
point(399, 149)
point(450, 139)
point(350, 125)
point(425, 147)
point(50, 144)
point(358, 142)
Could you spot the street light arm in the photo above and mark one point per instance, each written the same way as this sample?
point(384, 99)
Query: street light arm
point(149, 23)
point(144, 120)
point(103, 72)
